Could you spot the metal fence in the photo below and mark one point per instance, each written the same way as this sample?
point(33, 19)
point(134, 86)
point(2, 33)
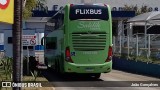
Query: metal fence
point(137, 45)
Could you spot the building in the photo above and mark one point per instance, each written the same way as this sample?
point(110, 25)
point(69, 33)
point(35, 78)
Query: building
point(115, 4)
point(36, 24)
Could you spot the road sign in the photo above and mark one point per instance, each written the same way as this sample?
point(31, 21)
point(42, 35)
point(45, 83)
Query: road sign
point(33, 42)
point(6, 11)
point(29, 40)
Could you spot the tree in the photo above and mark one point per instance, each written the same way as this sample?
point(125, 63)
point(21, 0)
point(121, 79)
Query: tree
point(29, 5)
point(26, 8)
point(17, 39)
point(135, 8)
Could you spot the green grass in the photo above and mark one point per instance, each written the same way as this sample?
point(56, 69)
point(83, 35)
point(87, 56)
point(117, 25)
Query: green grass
point(6, 73)
point(5, 69)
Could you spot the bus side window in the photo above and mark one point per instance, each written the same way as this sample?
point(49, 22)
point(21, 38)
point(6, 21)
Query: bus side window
point(51, 43)
point(55, 22)
point(59, 20)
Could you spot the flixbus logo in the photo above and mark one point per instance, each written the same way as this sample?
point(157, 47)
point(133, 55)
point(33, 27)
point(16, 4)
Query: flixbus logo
point(88, 11)
point(4, 4)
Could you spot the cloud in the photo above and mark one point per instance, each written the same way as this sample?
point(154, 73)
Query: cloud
point(3, 2)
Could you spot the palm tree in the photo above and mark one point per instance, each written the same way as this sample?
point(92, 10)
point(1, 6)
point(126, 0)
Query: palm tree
point(28, 6)
point(17, 39)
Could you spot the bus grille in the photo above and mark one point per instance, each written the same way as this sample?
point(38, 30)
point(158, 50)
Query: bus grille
point(89, 42)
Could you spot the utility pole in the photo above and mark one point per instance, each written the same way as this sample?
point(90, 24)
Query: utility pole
point(17, 41)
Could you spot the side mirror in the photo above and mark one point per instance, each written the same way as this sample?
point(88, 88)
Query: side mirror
point(42, 41)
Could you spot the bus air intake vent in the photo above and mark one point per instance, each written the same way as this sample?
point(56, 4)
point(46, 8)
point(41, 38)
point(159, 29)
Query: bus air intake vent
point(89, 42)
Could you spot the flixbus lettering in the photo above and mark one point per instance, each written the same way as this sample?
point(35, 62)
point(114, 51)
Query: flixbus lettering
point(88, 11)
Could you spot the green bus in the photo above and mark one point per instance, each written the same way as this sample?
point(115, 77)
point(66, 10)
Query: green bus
point(78, 39)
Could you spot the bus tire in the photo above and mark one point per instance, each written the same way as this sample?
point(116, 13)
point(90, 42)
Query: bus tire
point(46, 62)
point(97, 75)
point(57, 67)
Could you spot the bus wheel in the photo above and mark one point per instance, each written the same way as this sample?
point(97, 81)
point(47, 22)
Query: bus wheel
point(56, 70)
point(97, 75)
point(46, 62)
point(57, 67)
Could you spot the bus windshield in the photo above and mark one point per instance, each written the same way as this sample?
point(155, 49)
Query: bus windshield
point(88, 12)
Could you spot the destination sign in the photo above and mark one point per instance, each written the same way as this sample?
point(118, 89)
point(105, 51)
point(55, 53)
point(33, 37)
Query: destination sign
point(88, 12)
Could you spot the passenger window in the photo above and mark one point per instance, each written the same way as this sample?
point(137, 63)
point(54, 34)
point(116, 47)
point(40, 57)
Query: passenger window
point(51, 43)
point(10, 40)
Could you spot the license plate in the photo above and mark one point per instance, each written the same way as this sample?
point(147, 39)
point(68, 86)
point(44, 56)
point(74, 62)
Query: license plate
point(42, 67)
point(89, 69)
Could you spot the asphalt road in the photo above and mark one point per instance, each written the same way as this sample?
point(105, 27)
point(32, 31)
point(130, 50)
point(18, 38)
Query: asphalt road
point(115, 80)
